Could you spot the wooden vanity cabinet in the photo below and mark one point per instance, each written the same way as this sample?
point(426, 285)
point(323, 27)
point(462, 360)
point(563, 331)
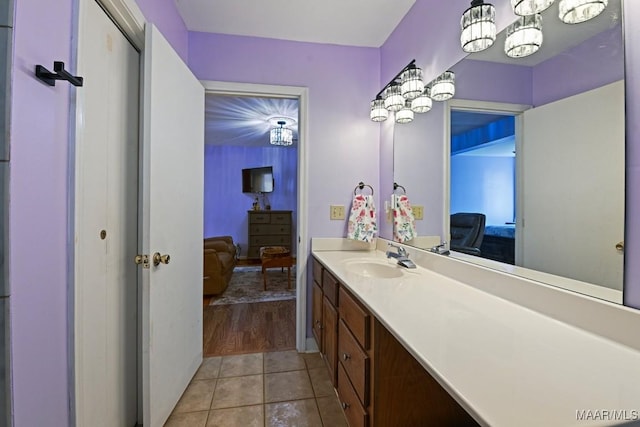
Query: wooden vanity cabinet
point(316, 307)
point(379, 383)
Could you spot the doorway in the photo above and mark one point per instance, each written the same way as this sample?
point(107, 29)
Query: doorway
point(300, 240)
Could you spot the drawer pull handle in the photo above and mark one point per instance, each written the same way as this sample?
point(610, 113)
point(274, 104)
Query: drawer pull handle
point(345, 405)
point(346, 356)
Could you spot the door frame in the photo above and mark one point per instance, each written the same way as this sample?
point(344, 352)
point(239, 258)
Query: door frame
point(129, 19)
point(213, 87)
point(506, 109)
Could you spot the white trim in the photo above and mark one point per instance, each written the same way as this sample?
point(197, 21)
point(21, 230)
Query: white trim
point(128, 17)
point(480, 106)
point(302, 93)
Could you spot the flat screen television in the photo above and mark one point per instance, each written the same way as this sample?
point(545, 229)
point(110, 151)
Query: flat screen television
point(257, 180)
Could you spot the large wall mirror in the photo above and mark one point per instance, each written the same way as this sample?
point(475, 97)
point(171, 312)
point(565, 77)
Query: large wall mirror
point(536, 145)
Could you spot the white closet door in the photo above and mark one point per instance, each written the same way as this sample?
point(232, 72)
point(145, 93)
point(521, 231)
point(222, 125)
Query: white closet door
point(172, 173)
point(106, 199)
point(573, 178)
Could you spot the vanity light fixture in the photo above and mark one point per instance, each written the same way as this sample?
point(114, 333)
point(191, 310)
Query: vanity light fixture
point(422, 103)
point(393, 99)
point(378, 112)
point(405, 115)
point(411, 85)
point(524, 37)
point(530, 7)
point(443, 87)
point(577, 11)
point(478, 25)
point(281, 135)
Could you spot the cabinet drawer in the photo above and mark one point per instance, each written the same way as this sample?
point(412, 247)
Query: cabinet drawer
point(317, 272)
point(269, 229)
point(259, 218)
point(355, 317)
point(330, 287)
point(355, 413)
point(355, 362)
point(280, 218)
point(270, 241)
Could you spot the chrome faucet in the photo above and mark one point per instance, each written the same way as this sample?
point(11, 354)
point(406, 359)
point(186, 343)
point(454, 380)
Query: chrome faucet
point(401, 255)
point(440, 249)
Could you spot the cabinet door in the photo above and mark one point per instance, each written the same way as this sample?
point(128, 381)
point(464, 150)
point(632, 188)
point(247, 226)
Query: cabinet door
point(330, 337)
point(316, 315)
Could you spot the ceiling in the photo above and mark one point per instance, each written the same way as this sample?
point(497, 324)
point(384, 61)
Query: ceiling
point(246, 121)
point(366, 23)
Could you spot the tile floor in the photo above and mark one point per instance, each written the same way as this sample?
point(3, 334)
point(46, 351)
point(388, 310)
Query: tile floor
point(282, 388)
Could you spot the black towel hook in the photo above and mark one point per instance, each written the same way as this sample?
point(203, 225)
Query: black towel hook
point(396, 186)
point(361, 186)
point(59, 74)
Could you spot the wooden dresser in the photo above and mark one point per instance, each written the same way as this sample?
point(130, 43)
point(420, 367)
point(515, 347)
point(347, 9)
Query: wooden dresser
point(268, 228)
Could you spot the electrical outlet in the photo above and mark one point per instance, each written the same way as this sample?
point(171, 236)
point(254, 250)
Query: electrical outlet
point(336, 212)
point(418, 212)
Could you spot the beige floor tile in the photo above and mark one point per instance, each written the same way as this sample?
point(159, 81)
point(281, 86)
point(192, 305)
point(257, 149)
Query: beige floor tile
point(282, 361)
point(299, 413)
point(331, 411)
point(244, 416)
point(321, 382)
point(210, 368)
point(238, 391)
point(282, 386)
point(243, 364)
point(313, 360)
point(190, 419)
point(197, 396)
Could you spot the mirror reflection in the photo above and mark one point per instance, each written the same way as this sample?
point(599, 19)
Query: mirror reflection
point(533, 171)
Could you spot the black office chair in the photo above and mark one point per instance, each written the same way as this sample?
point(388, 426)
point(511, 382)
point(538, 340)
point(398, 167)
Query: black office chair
point(467, 231)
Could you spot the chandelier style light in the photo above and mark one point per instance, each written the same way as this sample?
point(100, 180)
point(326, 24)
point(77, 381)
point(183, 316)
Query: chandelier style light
point(524, 37)
point(378, 112)
point(530, 7)
point(577, 11)
point(422, 103)
point(393, 99)
point(405, 115)
point(281, 135)
point(443, 87)
point(411, 84)
point(478, 25)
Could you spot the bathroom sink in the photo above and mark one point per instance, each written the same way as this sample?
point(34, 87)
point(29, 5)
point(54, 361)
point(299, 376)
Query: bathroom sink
point(374, 269)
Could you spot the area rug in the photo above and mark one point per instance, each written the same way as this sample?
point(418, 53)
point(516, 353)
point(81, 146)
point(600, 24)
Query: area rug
point(246, 286)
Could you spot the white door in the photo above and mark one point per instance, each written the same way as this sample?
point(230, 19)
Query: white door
point(573, 186)
point(105, 326)
point(172, 174)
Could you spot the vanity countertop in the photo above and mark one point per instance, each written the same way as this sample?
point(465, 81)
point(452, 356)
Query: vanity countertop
point(507, 365)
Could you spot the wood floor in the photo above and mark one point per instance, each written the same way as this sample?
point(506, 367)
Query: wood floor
point(249, 328)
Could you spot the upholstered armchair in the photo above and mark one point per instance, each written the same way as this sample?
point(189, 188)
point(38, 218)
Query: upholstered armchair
point(219, 262)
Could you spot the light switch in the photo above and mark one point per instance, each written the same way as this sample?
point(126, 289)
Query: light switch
point(418, 212)
point(336, 212)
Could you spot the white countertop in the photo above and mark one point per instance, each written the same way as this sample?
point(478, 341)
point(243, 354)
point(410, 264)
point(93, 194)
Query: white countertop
point(505, 364)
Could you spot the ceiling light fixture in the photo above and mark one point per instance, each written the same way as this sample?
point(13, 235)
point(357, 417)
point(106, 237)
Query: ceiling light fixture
point(530, 7)
point(524, 37)
point(577, 11)
point(443, 87)
point(281, 135)
point(378, 112)
point(478, 25)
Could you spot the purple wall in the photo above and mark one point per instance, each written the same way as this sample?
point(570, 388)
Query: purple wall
point(225, 206)
point(592, 64)
point(164, 15)
point(38, 207)
point(508, 83)
point(631, 18)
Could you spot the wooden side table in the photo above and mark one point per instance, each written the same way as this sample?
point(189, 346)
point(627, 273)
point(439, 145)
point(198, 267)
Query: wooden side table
point(276, 256)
